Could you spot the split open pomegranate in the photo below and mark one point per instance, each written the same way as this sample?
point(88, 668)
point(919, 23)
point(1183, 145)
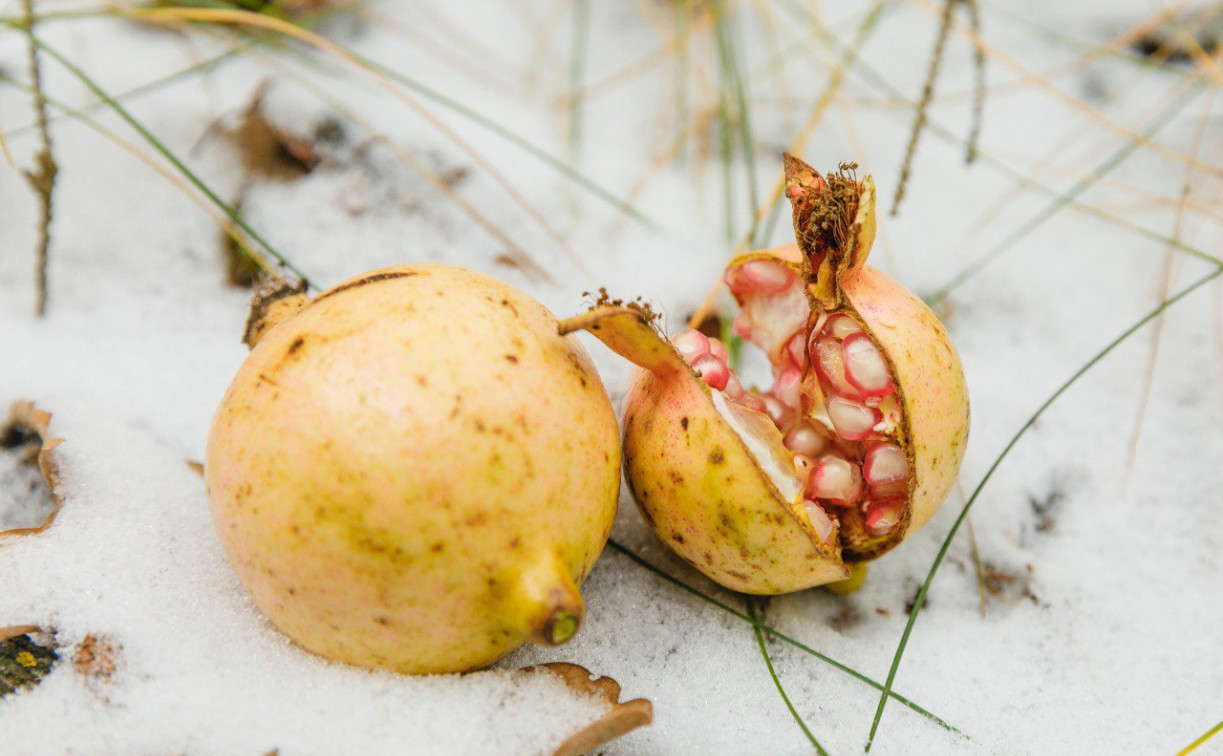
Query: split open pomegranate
point(852, 446)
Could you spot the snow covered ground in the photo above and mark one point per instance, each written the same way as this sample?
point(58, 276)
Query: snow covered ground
point(1096, 627)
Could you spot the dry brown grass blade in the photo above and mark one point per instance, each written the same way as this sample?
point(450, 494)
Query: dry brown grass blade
point(814, 119)
point(516, 254)
point(1113, 46)
point(493, 77)
point(42, 178)
point(998, 56)
point(25, 419)
point(923, 103)
point(247, 18)
point(1165, 286)
point(12, 631)
point(618, 720)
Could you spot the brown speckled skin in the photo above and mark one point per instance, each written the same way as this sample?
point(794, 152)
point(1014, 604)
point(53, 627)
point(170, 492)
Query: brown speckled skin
point(415, 471)
point(695, 481)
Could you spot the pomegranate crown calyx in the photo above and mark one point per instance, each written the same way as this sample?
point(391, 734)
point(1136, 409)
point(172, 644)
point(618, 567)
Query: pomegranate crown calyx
point(833, 213)
point(602, 300)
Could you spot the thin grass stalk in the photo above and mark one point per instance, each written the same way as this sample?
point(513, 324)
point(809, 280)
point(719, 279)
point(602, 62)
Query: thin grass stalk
point(178, 181)
point(42, 178)
point(782, 636)
point(768, 661)
point(153, 141)
point(923, 103)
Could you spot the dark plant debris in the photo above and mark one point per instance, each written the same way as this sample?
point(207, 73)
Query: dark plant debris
point(271, 151)
point(1182, 40)
point(24, 662)
point(824, 206)
point(97, 657)
point(1045, 508)
point(638, 305)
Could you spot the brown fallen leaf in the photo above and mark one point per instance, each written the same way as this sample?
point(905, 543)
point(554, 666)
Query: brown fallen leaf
point(619, 719)
point(97, 657)
point(268, 149)
point(25, 420)
point(12, 631)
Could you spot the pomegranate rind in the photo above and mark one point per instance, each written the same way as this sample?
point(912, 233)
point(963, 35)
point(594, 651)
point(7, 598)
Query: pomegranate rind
point(415, 472)
point(930, 386)
point(695, 481)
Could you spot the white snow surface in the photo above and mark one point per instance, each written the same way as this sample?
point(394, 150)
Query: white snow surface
point(1103, 640)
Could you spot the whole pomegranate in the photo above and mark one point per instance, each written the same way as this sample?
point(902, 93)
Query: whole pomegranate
point(413, 470)
point(854, 445)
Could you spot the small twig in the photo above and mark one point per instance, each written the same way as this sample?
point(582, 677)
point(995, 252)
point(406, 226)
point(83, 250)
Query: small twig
point(978, 99)
point(976, 563)
point(927, 94)
point(42, 178)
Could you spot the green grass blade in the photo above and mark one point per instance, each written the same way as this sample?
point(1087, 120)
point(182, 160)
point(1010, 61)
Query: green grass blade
point(783, 637)
point(938, 560)
point(764, 651)
point(1206, 736)
point(122, 112)
point(732, 78)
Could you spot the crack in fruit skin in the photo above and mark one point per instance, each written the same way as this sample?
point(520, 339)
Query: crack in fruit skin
point(862, 368)
point(394, 491)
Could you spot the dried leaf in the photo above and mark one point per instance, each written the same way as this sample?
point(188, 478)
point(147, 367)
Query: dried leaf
point(269, 150)
point(24, 661)
point(619, 719)
point(97, 657)
point(25, 422)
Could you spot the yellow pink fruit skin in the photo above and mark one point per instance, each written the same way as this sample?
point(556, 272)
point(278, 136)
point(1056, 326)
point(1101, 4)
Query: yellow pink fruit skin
point(697, 487)
point(415, 471)
point(695, 481)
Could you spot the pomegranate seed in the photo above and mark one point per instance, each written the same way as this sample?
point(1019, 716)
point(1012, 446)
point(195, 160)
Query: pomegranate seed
point(803, 465)
point(752, 402)
point(805, 439)
point(835, 479)
point(796, 349)
point(853, 420)
point(718, 349)
point(885, 463)
point(713, 371)
point(820, 521)
point(886, 490)
point(882, 515)
point(864, 366)
point(742, 325)
point(691, 344)
point(841, 327)
point(734, 388)
point(789, 386)
point(827, 355)
point(760, 276)
point(779, 412)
